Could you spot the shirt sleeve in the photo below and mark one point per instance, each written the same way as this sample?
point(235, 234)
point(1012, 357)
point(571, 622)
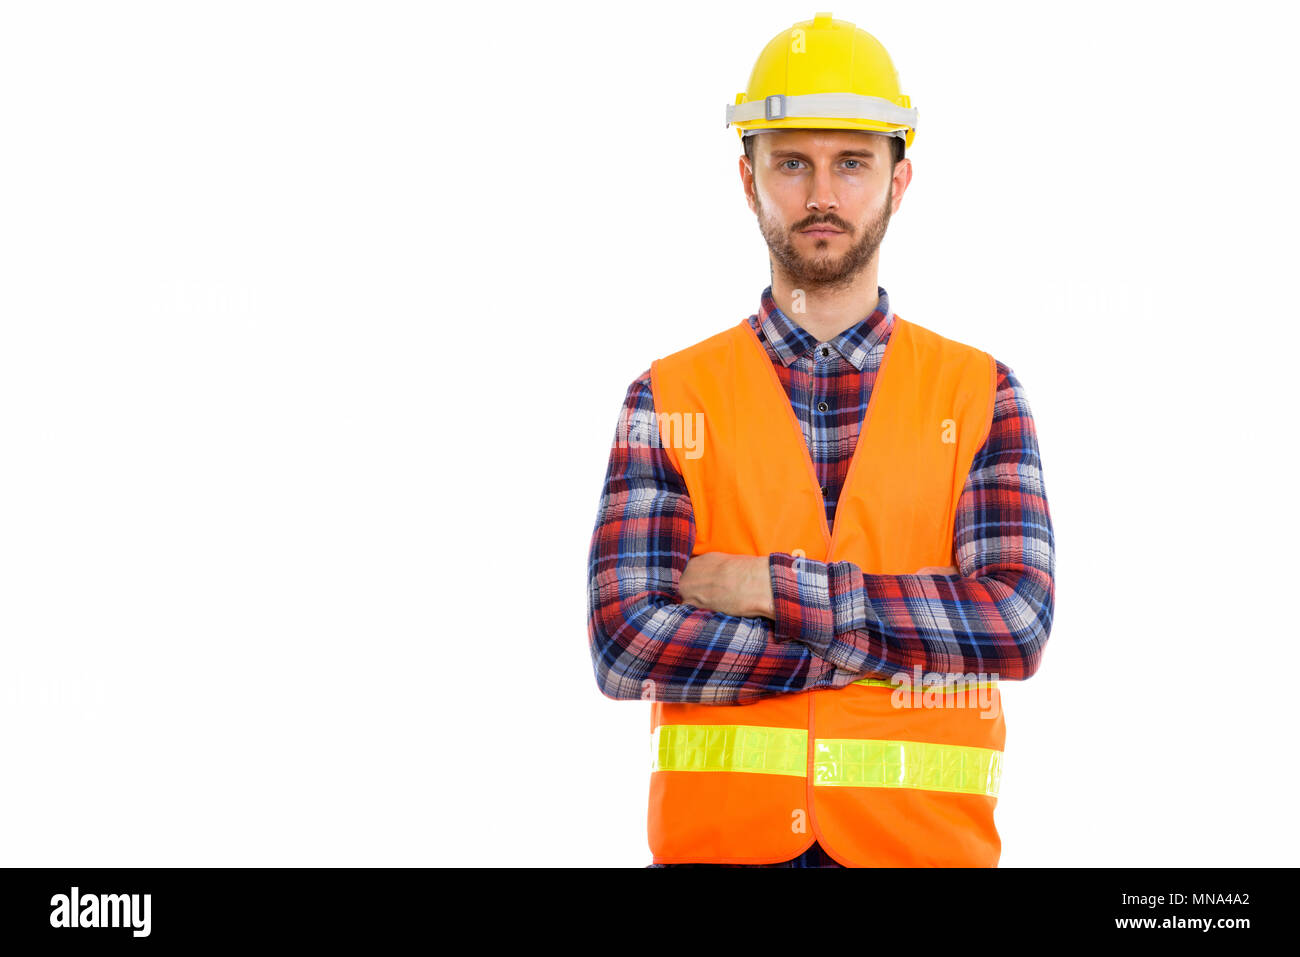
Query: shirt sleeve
point(644, 642)
point(994, 617)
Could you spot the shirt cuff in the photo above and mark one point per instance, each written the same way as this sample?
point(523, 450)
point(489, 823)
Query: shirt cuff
point(802, 601)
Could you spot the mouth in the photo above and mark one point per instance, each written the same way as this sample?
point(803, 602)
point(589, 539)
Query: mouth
point(821, 231)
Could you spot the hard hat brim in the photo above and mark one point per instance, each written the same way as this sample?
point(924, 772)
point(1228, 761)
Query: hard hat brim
point(821, 123)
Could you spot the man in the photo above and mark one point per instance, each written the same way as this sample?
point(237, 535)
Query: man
point(823, 537)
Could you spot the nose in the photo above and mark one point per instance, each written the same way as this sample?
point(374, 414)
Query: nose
point(822, 199)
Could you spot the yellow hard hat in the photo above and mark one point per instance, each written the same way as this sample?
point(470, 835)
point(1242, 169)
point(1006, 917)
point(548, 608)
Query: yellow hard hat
point(824, 74)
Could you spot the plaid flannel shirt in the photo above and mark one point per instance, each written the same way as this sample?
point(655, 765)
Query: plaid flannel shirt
point(833, 623)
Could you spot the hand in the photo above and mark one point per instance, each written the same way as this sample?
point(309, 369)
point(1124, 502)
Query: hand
point(938, 570)
point(739, 585)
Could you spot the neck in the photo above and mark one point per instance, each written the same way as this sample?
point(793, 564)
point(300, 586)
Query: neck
point(824, 312)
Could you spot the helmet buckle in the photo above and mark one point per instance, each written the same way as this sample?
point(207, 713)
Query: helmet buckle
point(767, 107)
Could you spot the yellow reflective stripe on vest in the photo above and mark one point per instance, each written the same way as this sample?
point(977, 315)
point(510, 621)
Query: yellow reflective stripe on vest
point(837, 762)
point(860, 763)
point(730, 747)
point(948, 688)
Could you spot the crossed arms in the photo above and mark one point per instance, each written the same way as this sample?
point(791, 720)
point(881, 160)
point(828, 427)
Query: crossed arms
point(731, 629)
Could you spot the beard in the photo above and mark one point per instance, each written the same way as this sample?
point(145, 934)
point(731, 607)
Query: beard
point(821, 269)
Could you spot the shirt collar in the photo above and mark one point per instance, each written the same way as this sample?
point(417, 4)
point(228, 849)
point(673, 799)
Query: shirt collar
point(790, 340)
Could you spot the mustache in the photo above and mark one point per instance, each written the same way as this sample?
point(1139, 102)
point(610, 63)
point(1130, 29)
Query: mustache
point(831, 220)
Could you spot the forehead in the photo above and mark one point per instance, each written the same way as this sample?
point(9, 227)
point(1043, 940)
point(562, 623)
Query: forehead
point(823, 142)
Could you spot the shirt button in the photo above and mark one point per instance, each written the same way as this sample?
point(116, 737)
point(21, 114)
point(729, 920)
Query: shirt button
point(825, 351)
point(824, 491)
point(822, 406)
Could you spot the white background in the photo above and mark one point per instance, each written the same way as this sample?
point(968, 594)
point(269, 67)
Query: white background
point(317, 318)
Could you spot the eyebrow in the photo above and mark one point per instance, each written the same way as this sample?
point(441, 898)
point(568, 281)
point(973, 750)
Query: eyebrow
point(862, 152)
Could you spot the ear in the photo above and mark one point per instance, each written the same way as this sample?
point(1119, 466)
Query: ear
point(902, 177)
point(747, 182)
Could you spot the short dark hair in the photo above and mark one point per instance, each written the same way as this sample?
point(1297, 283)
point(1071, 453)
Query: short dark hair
point(896, 148)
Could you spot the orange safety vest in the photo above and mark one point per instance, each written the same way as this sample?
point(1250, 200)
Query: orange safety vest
point(878, 776)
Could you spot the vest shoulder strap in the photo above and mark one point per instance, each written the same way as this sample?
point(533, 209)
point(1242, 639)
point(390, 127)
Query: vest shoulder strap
point(674, 378)
point(975, 369)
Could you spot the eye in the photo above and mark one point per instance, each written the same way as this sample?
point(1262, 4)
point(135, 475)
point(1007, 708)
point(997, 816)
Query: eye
point(784, 166)
point(853, 161)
